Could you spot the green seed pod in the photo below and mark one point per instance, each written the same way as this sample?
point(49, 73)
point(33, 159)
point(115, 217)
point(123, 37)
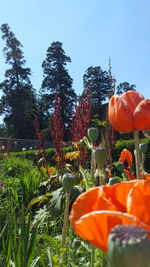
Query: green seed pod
point(143, 147)
point(113, 180)
point(68, 181)
point(93, 134)
point(128, 246)
point(120, 166)
point(100, 156)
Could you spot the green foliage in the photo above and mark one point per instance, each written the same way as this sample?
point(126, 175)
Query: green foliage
point(12, 166)
point(30, 234)
point(21, 179)
point(35, 155)
point(18, 240)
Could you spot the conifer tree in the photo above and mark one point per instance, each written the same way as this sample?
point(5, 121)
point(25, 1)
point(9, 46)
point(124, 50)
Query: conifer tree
point(97, 82)
point(124, 87)
point(58, 81)
point(18, 103)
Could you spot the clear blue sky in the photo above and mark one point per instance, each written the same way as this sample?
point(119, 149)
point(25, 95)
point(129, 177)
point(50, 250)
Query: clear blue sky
point(90, 30)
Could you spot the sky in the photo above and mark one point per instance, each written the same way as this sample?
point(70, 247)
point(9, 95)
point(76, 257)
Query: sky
point(91, 31)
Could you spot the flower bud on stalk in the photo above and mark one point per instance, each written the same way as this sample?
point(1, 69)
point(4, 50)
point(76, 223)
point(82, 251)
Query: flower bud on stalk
point(100, 156)
point(93, 134)
point(128, 246)
point(68, 181)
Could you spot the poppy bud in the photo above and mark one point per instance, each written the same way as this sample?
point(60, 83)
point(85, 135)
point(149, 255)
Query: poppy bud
point(120, 166)
point(93, 134)
point(143, 147)
point(128, 246)
point(100, 156)
point(68, 181)
point(113, 180)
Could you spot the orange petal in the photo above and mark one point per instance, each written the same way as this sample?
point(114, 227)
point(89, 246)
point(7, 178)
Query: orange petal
point(84, 204)
point(142, 115)
point(102, 198)
point(88, 202)
point(117, 194)
point(96, 226)
point(119, 115)
point(138, 201)
point(132, 98)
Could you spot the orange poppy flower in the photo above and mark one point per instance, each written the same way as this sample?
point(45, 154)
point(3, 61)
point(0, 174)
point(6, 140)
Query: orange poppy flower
point(129, 112)
point(98, 210)
point(126, 157)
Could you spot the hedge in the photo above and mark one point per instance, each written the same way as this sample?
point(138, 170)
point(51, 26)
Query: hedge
point(119, 146)
point(34, 155)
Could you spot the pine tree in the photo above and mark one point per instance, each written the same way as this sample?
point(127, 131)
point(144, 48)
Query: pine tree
point(124, 87)
point(58, 81)
point(18, 103)
point(97, 82)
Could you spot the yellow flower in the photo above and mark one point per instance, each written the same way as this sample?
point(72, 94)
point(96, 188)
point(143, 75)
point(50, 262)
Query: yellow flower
point(72, 155)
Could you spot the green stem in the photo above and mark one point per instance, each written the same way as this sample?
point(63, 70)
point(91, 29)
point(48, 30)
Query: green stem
point(65, 225)
point(92, 165)
point(92, 256)
point(65, 228)
point(137, 154)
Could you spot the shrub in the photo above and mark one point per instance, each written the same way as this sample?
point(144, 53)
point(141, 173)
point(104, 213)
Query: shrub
point(14, 166)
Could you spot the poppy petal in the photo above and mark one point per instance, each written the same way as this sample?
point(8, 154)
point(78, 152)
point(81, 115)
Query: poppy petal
point(119, 115)
point(142, 115)
point(108, 197)
point(117, 193)
point(88, 202)
point(132, 99)
point(84, 204)
point(138, 201)
point(96, 226)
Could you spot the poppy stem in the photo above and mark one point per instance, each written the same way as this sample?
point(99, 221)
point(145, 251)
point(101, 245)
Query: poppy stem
point(65, 225)
point(92, 256)
point(137, 154)
point(92, 165)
